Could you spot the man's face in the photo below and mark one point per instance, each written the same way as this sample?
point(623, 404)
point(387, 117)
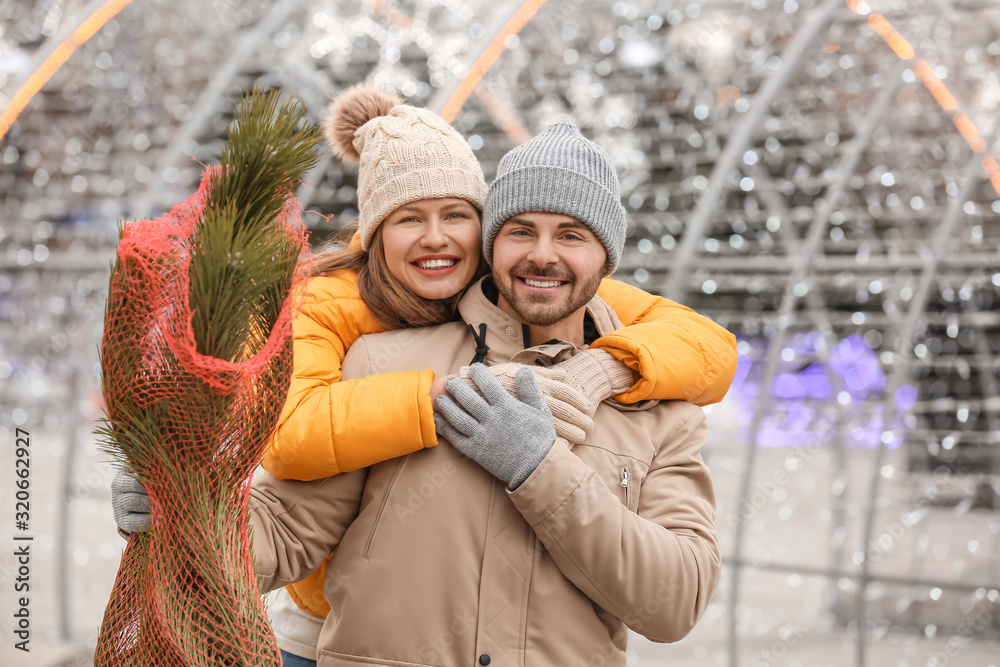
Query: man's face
point(547, 266)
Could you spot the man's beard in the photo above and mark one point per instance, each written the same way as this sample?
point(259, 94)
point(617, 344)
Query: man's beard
point(544, 310)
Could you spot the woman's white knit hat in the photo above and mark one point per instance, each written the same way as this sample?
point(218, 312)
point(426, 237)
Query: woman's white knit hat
point(403, 154)
point(559, 171)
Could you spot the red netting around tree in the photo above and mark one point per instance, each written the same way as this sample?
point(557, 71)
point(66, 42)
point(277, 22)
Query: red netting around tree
point(186, 592)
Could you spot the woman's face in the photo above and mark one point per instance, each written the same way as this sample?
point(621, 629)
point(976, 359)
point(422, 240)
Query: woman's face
point(432, 245)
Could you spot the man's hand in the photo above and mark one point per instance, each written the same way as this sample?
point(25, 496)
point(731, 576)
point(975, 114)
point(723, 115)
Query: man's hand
point(571, 410)
point(507, 436)
point(130, 503)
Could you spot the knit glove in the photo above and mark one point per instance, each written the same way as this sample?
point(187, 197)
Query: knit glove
point(130, 503)
point(507, 436)
point(571, 409)
point(597, 375)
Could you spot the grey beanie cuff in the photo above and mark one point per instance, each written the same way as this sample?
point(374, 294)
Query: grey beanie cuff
point(555, 190)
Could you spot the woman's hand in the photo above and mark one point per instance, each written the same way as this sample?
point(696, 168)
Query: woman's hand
point(437, 386)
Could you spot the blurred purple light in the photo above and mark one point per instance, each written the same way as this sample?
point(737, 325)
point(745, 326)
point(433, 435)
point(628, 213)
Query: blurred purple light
point(803, 412)
point(906, 397)
point(787, 385)
point(743, 364)
point(816, 382)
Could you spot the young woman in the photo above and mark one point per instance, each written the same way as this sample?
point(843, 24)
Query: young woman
point(415, 249)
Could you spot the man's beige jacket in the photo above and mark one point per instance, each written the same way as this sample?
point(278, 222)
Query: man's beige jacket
point(437, 563)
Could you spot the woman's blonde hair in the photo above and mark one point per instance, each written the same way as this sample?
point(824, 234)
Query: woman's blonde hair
point(388, 299)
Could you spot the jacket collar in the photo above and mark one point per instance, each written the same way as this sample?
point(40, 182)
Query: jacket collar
point(506, 336)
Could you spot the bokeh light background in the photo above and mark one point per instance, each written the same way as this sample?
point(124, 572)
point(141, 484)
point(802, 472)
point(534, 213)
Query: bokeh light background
point(820, 176)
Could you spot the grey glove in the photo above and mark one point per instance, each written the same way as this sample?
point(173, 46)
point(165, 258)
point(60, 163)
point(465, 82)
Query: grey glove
point(130, 503)
point(571, 410)
point(507, 436)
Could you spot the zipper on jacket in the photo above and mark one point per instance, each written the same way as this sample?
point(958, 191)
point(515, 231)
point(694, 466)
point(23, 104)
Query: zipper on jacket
point(385, 503)
point(624, 484)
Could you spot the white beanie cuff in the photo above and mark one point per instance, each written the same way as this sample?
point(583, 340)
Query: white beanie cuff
point(411, 186)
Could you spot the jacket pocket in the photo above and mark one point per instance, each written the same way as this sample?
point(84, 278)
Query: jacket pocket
point(385, 503)
point(622, 473)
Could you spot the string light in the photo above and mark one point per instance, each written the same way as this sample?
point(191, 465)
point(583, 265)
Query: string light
point(488, 57)
point(41, 76)
point(937, 88)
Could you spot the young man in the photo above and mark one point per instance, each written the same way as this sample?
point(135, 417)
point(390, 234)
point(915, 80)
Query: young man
point(513, 546)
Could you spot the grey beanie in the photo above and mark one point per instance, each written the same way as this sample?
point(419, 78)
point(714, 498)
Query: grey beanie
point(559, 171)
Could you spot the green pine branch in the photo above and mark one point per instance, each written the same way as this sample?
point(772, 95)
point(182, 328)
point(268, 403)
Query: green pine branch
point(241, 267)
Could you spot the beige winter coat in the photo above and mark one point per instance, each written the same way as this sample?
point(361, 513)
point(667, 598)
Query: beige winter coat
point(437, 563)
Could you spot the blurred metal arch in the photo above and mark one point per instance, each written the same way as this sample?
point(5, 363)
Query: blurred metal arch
point(210, 100)
point(906, 331)
point(694, 229)
point(800, 270)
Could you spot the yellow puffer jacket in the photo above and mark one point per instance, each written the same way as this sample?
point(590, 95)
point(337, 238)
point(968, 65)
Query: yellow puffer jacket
point(327, 427)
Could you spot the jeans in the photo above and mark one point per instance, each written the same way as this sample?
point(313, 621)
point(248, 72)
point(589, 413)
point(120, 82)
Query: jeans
point(292, 660)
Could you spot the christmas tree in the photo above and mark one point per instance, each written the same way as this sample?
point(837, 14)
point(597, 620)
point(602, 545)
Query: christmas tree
point(196, 359)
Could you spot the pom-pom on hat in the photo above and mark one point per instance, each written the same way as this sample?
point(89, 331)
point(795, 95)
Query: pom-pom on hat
point(403, 154)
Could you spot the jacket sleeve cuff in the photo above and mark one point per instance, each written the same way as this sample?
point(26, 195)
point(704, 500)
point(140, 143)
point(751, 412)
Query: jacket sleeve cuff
point(425, 409)
point(555, 479)
point(637, 359)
